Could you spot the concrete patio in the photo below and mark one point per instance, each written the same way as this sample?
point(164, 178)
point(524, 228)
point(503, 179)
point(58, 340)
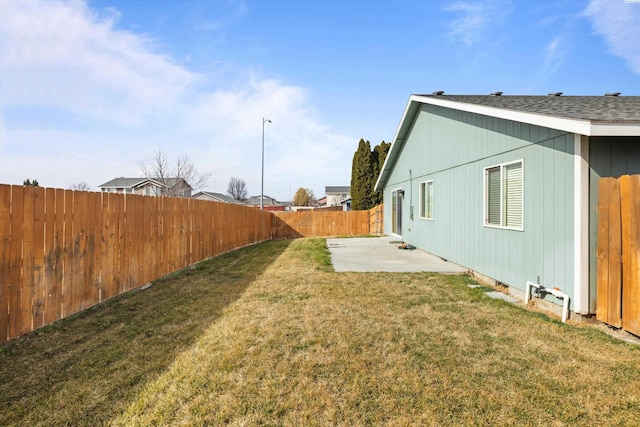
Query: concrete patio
point(381, 254)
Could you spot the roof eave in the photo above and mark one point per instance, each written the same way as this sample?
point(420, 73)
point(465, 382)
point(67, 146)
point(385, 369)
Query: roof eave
point(398, 140)
point(577, 126)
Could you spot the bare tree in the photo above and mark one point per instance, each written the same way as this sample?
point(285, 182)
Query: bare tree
point(173, 180)
point(80, 186)
point(237, 189)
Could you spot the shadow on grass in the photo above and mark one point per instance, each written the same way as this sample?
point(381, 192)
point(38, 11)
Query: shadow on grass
point(85, 369)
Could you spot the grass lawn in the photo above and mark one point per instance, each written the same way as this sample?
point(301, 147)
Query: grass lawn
point(270, 335)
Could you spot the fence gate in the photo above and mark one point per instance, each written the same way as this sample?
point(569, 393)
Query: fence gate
point(618, 252)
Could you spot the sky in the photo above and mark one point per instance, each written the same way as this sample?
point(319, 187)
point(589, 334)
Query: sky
point(90, 90)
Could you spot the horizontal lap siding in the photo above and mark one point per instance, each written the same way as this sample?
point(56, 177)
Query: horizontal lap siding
point(452, 148)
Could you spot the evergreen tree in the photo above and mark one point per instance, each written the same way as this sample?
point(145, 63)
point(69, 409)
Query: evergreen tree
point(377, 161)
point(28, 182)
point(365, 170)
point(361, 176)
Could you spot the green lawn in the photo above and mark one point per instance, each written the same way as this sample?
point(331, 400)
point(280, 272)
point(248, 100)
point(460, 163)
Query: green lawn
point(270, 335)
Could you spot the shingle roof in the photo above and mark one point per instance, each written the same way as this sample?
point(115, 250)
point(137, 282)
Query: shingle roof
point(134, 182)
point(219, 196)
point(255, 200)
point(337, 189)
point(595, 108)
point(124, 182)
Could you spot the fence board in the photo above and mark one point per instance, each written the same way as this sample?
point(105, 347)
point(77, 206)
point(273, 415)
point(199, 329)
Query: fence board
point(609, 267)
point(38, 258)
point(5, 254)
point(14, 262)
point(67, 256)
point(49, 276)
point(57, 251)
point(630, 207)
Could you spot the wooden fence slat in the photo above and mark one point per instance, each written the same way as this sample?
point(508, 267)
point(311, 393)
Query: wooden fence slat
point(630, 207)
point(37, 307)
point(5, 255)
point(67, 255)
point(609, 274)
point(28, 255)
point(15, 262)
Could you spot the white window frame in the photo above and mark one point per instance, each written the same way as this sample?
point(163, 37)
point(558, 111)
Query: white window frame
point(503, 167)
point(426, 199)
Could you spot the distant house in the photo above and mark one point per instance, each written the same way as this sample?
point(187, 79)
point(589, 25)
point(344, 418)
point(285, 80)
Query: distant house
point(216, 197)
point(176, 187)
point(269, 203)
point(507, 186)
point(338, 196)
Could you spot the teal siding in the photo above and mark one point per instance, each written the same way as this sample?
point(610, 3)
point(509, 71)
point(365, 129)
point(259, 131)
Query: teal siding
point(608, 157)
point(452, 148)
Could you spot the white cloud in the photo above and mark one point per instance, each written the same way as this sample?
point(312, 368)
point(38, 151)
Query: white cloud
point(85, 101)
point(62, 55)
point(619, 23)
point(554, 55)
point(474, 18)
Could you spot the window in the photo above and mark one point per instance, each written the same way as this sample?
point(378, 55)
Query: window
point(426, 200)
point(504, 191)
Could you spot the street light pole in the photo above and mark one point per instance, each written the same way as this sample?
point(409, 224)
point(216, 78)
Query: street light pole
point(262, 181)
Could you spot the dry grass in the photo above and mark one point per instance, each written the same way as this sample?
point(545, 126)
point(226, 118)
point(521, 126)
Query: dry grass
point(269, 335)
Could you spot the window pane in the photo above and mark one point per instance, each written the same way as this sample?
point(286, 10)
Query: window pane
point(430, 200)
point(493, 196)
point(513, 195)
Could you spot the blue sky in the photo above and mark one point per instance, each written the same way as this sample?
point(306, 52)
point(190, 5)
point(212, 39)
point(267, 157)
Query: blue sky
point(89, 90)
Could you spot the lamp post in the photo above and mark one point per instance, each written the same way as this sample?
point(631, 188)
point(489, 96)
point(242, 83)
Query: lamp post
point(262, 181)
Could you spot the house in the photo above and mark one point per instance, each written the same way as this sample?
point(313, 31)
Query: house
point(176, 187)
point(268, 203)
point(338, 196)
point(507, 186)
point(216, 197)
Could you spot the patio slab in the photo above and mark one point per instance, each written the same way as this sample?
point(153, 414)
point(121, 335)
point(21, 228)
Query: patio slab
point(381, 254)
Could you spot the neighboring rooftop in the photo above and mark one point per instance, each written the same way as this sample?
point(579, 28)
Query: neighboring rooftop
point(338, 189)
point(612, 108)
point(126, 182)
point(218, 196)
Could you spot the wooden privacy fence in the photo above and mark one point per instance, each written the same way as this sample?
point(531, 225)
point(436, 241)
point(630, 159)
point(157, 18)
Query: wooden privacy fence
point(618, 252)
point(292, 225)
point(62, 251)
point(376, 220)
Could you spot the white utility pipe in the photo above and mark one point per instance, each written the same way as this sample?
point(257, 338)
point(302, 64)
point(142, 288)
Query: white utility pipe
point(554, 292)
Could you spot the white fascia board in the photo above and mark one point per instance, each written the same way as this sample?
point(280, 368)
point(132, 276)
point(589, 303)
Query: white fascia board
point(614, 129)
